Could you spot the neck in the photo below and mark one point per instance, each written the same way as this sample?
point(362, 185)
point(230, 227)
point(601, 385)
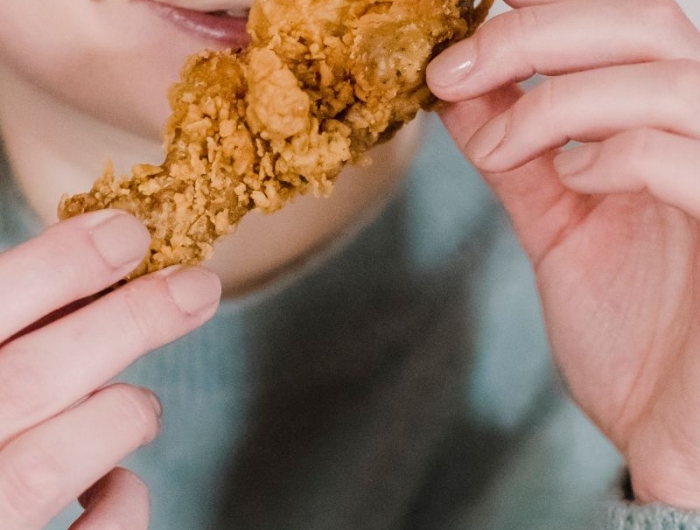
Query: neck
point(56, 149)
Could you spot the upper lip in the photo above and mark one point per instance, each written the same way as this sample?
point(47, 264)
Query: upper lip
point(230, 7)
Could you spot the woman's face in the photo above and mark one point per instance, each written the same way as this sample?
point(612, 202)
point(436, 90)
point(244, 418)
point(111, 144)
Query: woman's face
point(114, 58)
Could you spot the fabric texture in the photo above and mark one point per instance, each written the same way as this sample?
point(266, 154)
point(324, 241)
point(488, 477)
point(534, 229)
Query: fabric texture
point(627, 516)
point(401, 382)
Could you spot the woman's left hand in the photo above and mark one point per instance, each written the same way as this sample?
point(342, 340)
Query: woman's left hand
point(611, 226)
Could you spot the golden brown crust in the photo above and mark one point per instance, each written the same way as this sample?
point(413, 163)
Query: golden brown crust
point(321, 83)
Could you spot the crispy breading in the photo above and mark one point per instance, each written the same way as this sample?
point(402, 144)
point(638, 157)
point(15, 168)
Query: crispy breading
point(321, 83)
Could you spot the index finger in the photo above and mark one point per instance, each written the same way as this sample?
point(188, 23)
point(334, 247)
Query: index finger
point(561, 37)
point(69, 261)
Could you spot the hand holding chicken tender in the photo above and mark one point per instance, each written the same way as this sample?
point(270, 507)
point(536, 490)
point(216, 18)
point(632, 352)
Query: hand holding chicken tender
point(322, 82)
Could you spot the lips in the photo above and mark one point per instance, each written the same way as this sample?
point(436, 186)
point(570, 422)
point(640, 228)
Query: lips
point(213, 20)
point(234, 7)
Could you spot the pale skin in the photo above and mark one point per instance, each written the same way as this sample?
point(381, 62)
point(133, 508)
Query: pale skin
point(610, 227)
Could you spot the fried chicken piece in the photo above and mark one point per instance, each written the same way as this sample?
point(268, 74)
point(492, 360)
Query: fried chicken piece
point(321, 83)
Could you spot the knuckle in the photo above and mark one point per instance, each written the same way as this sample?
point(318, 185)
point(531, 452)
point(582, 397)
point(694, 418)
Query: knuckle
point(631, 151)
point(19, 382)
point(138, 320)
point(149, 314)
point(519, 26)
point(143, 317)
point(637, 142)
point(542, 101)
point(68, 250)
point(525, 21)
point(134, 408)
point(550, 93)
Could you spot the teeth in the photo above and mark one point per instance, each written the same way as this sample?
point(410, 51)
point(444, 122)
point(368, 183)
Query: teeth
point(240, 12)
point(233, 13)
point(222, 7)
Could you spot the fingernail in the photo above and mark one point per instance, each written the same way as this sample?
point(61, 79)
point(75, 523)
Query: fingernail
point(453, 65)
point(576, 160)
point(119, 238)
point(157, 405)
point(194, 290)
point(488, 139)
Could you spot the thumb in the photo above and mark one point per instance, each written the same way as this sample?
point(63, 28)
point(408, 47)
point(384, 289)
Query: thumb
point(540, 207)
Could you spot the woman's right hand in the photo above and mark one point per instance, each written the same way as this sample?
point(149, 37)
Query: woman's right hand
point(612, 226)
point(62, 432)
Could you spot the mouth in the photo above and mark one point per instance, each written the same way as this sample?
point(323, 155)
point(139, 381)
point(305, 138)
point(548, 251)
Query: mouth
point(226, 26)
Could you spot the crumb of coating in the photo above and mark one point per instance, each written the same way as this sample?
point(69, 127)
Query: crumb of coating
point(321, 83)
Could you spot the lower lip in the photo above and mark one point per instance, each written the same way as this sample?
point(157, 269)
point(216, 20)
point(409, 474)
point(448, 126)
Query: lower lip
point(228, 30)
